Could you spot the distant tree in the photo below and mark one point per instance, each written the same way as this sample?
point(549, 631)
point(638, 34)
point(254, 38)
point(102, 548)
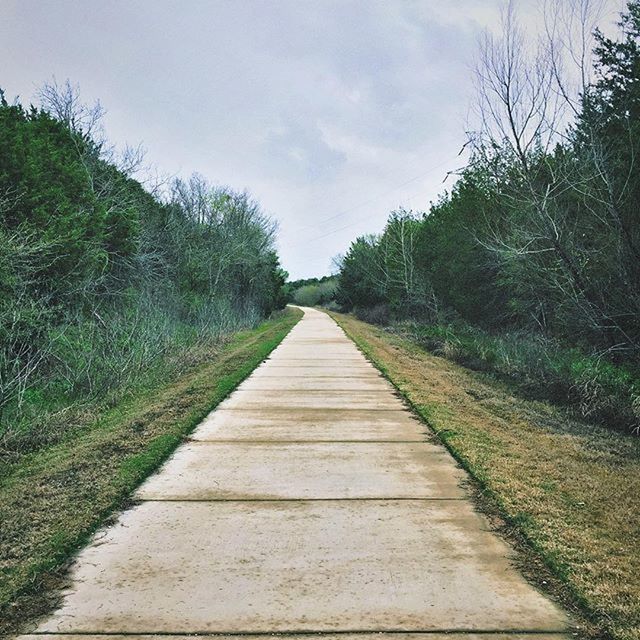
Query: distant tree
point(464, 275)
point(361, 282)
point(319, 292)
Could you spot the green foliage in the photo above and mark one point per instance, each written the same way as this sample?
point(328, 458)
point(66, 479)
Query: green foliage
point(311, 292)
point(542, 368)
point(360, 275)
point(103, 284)
point(311, 295)
point(463, 273)
point(534, 246)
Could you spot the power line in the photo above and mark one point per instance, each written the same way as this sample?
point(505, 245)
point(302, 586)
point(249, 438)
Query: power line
point(375, 198)
point(355, 222)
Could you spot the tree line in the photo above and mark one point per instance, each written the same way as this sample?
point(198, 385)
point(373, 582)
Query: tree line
point(311, 292)
point(105, 280)
point(540, 235)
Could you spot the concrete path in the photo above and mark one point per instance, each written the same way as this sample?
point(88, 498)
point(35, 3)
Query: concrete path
point(308, 502)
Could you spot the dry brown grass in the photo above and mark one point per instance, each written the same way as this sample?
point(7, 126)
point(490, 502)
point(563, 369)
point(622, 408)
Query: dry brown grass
point(52, 501)
point(567, 490)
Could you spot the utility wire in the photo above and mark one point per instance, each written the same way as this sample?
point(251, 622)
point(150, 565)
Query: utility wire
point(375, 198)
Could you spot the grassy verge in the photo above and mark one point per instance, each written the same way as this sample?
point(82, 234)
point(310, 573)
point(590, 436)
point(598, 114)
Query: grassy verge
point(89, 365)
point(542, 368)
point(53, 500)
point(565, 491)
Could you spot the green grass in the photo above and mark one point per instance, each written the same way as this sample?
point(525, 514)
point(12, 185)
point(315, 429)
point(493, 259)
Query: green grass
point(91, 366)
point(540, 368)
point(562, 490)
point(54, 499)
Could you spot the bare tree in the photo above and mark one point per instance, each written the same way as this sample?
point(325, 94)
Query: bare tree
point(515, 100)
point(569, 37)
point(63, 101)
point(522, 96)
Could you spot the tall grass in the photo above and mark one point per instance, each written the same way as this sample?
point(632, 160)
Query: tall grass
point(541, 368)
point(87, 363)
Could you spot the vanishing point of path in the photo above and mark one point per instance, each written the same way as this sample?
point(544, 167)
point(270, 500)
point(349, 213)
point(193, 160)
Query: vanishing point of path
point(309, 502)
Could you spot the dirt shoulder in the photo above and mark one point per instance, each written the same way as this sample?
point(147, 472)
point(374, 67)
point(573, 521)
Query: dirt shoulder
point(564, 492)
point(53, 501)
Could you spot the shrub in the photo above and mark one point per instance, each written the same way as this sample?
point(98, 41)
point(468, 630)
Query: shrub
point(103, 286)
point(541, 368)
point(377, 314)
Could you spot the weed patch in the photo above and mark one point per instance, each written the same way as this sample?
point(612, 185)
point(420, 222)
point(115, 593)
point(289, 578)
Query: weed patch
point(540, 368)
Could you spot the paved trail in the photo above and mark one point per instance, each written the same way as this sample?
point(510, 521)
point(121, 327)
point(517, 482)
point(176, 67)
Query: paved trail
point(309, 501)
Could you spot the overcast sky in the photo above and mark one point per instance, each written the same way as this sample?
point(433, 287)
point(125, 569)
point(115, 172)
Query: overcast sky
point(332, 113)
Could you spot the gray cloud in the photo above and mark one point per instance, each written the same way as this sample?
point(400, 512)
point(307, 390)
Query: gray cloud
point(319, 107)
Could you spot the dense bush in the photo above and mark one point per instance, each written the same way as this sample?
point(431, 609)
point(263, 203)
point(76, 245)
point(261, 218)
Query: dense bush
point(542, 368)
point(377, 314)
point(312, 291)
point(104, 285)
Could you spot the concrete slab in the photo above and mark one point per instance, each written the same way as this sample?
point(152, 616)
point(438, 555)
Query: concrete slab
point(334, 347)
point(331, 343)
point(299, 566)
point(338, 363)
point(311, 360)
point(311, 636)
point(270, 369)
point(305, 335)
point(326, 344)
point(217, 471)
point(282, 425)
point(321, 359)
point(306, 356)
point(374, 400)
point(318, 383)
